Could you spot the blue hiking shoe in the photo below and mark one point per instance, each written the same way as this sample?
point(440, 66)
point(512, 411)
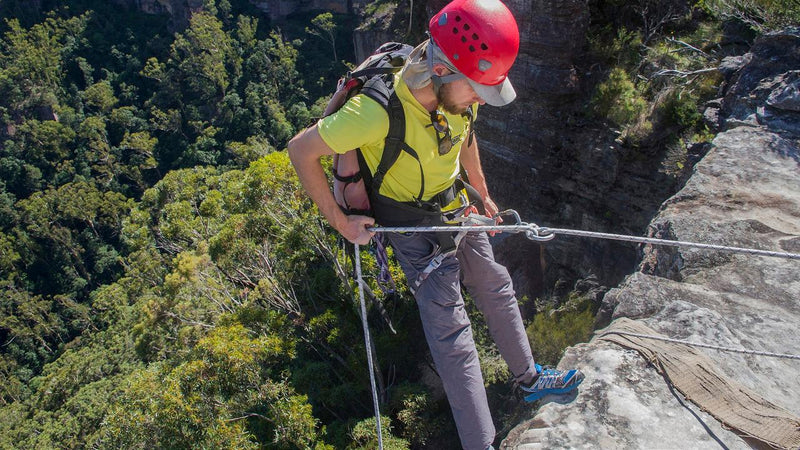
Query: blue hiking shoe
point(551, 382)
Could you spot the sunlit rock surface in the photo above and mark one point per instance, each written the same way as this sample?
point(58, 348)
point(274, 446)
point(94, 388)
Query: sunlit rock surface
point(745, 192)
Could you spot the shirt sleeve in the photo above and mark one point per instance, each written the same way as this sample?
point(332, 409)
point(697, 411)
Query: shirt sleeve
point(360, 122)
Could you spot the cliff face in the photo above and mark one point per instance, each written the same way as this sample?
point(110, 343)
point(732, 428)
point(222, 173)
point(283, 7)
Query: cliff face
point(180, 11)
point(558, 169)
point(555, 168)
point(539, 162)
point(744, 192)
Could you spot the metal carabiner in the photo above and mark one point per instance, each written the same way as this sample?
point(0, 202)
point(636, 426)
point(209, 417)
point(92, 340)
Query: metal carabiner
point(535, 233)
point(509, 212)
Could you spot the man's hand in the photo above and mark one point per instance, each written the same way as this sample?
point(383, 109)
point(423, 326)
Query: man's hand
point(305, 151)
point(491, 210)
point(354, 229)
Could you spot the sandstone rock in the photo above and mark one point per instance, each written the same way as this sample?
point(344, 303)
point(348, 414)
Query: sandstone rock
point(771, 62)
point(608, 415)
point(731, 64)
point(744, 192)
point(711, 118)
point(179, 11)
point(787, 96)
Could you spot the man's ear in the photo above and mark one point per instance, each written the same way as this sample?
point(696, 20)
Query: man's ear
point(441, 70)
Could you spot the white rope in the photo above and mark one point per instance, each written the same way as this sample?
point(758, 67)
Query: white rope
point(368, 345)
point(710, 346)
point(645, 240)
point(534, 232)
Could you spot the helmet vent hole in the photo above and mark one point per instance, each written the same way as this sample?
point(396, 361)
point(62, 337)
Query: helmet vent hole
point(458, 18)
point(484, 47)
point(474, 37)
point(472, 48)
point(466, 27)
point(463, 39)
point(455, 30)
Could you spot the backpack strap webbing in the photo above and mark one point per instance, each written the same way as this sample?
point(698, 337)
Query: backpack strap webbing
point(370, 72)
point(381, 89)
point(354, 178)
point(471, 116)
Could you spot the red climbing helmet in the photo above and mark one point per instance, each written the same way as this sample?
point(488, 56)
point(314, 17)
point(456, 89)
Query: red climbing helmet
point(481, 40)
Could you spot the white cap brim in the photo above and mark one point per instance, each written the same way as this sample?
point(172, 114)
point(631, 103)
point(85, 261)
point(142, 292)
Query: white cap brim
point(497, 95)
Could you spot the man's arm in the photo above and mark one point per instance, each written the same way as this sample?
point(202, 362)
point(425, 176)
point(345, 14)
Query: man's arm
point(305, 151)
point(471, 162)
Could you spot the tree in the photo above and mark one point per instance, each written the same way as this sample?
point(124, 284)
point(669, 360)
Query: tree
point(228, 392)
point(325, 28)
point(39, 155)
point(203, 60)
point(97, 151)
point(100, 96)
point(137, 150)
point(72, 236)
point(31, 61)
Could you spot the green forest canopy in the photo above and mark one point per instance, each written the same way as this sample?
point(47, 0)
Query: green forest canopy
point(165, 282)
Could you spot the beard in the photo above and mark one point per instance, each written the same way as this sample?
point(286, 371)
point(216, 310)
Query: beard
point(445, 98)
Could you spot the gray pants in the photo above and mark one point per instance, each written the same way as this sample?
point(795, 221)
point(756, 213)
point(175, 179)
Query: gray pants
point(447, 327)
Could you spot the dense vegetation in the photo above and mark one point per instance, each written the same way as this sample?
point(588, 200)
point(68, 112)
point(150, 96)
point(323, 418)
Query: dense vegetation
point(165, 282)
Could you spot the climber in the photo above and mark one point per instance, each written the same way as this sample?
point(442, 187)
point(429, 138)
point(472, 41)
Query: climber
point(465, 63)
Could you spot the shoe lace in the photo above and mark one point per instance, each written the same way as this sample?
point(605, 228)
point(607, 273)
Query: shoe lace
point(550, 378)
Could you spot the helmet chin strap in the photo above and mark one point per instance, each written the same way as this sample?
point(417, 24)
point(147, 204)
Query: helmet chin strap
point(439, 80)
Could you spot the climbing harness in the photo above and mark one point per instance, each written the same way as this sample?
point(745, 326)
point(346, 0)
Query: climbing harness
point(368, 345)
point(709, 346)
point(467, 222)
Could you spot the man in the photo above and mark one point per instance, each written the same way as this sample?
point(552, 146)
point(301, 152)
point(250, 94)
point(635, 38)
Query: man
point(465, 63)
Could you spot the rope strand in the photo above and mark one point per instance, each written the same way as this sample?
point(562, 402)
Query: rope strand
point(710, 346)
point(542, 234)
point(655, 241)
point(359, 281)
point(534, 232)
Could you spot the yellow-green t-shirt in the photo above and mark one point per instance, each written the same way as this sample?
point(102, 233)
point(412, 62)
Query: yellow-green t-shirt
point(363, 123)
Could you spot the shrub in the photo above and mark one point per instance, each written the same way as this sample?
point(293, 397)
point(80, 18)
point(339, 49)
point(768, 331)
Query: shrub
point(420, 417)
point(552, 331)
point(625, 48)
point(365, 436)
point(680, 108)
point(762, 15)
point(618, 99)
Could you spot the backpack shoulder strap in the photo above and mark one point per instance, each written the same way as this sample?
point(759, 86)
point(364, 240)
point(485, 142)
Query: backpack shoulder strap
point(381, 89)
